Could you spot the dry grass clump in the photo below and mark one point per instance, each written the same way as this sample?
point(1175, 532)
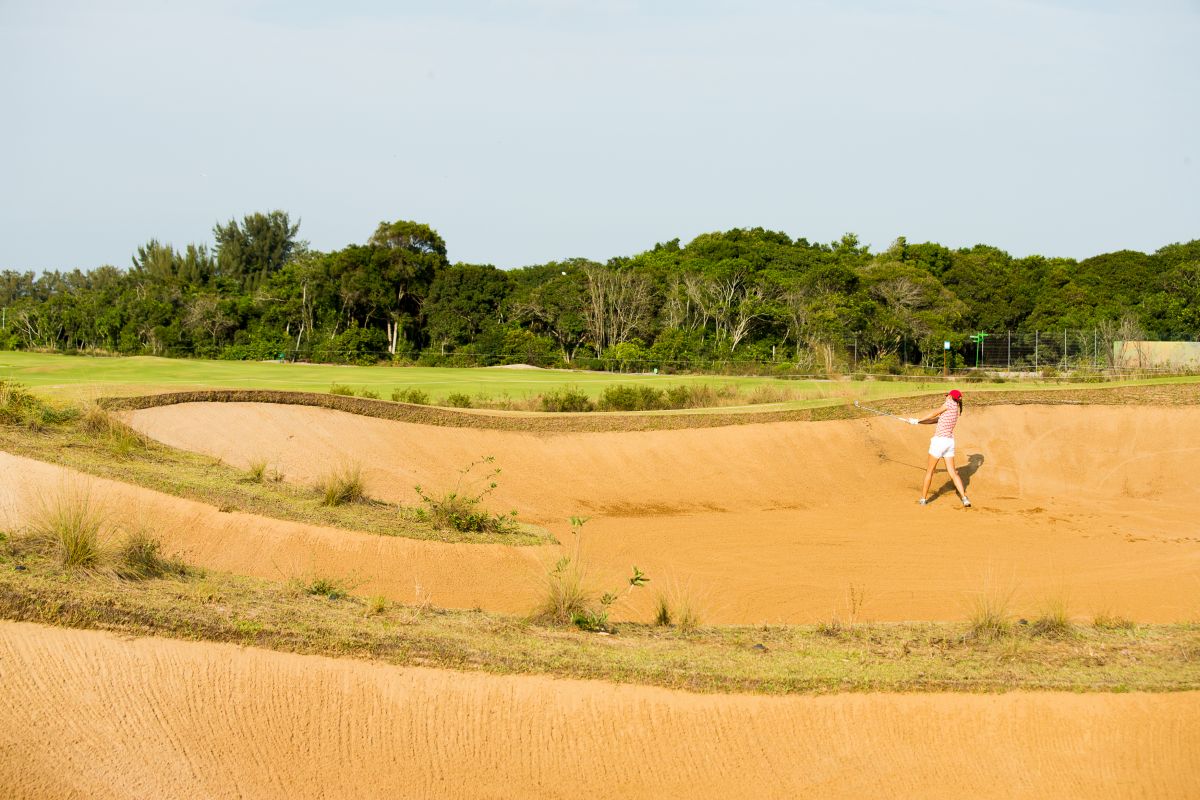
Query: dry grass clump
point(117, 437)
point(259, 470)
point(989, 616)
point(74, 531)
point(1054, 621)
point(140, 558)
point(341, 485)
point(1108, 621)
point(376, 605)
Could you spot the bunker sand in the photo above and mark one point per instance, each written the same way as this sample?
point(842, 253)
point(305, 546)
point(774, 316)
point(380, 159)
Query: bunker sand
point(774, 522)
point(85, 714)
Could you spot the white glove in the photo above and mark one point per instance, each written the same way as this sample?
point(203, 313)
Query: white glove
point(911, 420)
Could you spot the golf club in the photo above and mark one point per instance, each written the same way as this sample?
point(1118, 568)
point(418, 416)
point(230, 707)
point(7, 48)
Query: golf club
point(880, 413)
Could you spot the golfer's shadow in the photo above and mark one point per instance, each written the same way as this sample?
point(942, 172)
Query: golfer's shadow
point(966, 471)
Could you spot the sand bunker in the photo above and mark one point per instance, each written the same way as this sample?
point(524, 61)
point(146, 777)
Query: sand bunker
point(88, 715)
point(774, 522)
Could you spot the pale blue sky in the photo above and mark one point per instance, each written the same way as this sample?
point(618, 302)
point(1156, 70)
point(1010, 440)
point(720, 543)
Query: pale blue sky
point(531, 130)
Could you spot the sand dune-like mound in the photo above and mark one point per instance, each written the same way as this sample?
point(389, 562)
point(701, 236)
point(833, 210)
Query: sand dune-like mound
point(89, 715)
point(774, 522)
point(456, 575)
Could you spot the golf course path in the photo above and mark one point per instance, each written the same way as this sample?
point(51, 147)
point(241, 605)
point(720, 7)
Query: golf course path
point(86, 714)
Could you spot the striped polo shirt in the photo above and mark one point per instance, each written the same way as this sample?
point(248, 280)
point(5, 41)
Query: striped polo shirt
point(948, 419)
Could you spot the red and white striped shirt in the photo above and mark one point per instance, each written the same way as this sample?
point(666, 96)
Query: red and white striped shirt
point(948, 419)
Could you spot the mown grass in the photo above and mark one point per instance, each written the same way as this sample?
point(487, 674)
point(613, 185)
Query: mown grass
point(106, 448)
point(769, 660)
point(82, 376)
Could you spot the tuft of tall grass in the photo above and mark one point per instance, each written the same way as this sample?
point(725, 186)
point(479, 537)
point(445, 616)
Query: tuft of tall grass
point(341, 389)
point(1107, 621)
point(1054, 621)
point(256, 470)
point(341, 485)
point(676, 606)
point(564, 598)
point(119, 438)
point(71, 524)
point(989, 616)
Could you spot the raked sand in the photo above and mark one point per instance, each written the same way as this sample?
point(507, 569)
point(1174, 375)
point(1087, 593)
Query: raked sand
point(90, 715)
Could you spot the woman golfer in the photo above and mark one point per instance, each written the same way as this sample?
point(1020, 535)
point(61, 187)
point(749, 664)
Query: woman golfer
point(942, 444)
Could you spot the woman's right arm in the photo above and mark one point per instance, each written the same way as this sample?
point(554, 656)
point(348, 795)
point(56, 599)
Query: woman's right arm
point(928, 419)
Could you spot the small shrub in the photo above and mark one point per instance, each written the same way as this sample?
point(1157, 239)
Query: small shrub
point(461, 509)
point(414, 396)
point(458, 400)
point(139, 558)
point(567, 399)
point(341, 389)
point(637, 397)
point(325, 587)
point(341, 485)
point(370, 394)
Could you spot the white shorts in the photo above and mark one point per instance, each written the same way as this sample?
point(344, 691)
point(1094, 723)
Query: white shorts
point(941, 447)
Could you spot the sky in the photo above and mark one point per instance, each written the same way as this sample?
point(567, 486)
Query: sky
point(526, 131)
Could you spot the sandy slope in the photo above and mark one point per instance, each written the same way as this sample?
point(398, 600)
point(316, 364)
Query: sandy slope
point(88, 715)
point(456, 575)
point(773, 522)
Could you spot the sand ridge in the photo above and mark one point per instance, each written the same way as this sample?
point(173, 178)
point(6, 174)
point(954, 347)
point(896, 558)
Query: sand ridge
point(85, 714)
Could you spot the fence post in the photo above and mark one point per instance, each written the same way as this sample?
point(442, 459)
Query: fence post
point(1008, 360)
point(855, 368)
point(1095, 349)
point(1035, 350)
point(1064, 358)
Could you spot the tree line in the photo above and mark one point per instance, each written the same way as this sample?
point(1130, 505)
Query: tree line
point(743, 295)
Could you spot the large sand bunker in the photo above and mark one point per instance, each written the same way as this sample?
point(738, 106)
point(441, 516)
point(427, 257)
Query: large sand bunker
point(774, 522)
point(89, 715)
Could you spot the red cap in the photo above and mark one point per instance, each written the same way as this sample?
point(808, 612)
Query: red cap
point(956, 394)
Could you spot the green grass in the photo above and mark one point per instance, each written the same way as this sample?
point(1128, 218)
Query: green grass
point(90, 377)
point(321, 619)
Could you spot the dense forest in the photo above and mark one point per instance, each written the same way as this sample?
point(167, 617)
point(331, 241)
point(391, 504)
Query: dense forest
point(739, 297)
